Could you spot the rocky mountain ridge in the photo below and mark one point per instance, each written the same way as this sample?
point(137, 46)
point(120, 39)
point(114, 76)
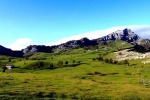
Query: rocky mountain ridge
point(125, 35)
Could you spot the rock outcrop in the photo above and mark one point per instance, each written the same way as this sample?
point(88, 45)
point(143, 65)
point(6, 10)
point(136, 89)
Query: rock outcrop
point(125, 35)
point(142, 45)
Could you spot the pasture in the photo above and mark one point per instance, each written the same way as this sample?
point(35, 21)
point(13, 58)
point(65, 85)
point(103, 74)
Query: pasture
point(82, 78)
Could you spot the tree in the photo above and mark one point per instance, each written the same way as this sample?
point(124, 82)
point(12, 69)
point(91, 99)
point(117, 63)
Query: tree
point(60, 64)
point(79, 62)
point(4, 68)
point(100, 58)
point(94, 59)
point(110, 60)
point(9, 59)
point(106, 60)
point(66, 63)
point(115, 62)
point(73, 61)
point(51, 66)
point(41, 64)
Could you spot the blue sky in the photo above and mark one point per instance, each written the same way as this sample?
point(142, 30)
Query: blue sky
point(48, 21)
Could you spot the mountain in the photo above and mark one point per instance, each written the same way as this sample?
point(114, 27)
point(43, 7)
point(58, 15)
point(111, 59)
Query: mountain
point(48, 49)
point(9, 52)
point(37, 48)
point(125, 35)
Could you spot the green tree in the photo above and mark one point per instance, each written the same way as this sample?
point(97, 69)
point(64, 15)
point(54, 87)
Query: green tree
point(60, 64)
point(110, 60)
point(51, 66)
point(93, 59)
point(41, 64)
point(79, 62)
point(9, 60)
point(66, 63)
point(115, 62)
point(4, 69)
point(73, 61)
point(106, 60)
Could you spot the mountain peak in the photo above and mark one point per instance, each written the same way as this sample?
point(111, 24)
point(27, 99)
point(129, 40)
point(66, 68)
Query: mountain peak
point(125, 35)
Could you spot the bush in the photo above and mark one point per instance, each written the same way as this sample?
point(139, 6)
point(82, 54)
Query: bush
point(9, 60)
point(115, 62)
point(110, 60)
point(60, 64)
point(66, 63)
point(106, 60)
point(73, 61)
point(94, 59)
point(4, 69)
point(51, 66)
point(41, 64)
point(126, 62)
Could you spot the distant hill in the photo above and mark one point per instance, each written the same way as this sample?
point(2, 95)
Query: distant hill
point(9, 52)
point(125, 35)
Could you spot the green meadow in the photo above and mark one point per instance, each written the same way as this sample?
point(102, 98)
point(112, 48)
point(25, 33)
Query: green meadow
point(75, 74)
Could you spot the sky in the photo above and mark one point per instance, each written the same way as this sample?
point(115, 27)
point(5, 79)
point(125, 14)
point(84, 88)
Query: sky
point(49, 22)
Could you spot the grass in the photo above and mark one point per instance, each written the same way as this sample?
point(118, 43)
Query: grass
point(75, 82)
point(90, 80)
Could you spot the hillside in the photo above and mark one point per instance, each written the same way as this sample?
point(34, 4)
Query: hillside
point(83, 69)
point(88, 73)
point(9, 52)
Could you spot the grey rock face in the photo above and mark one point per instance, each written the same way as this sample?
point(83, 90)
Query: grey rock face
point(125, 35)
point(142, 45)
point(30, 49)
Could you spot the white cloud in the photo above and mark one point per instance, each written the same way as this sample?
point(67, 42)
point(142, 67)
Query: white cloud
point(20, 43)
point(142, 30)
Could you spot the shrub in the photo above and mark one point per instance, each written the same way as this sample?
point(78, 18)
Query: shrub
point(106, 60)
point(9, 60)
point(60, 64)
point(110, 60)
point(41, 64)
point(51, 66)
point(94, 59)
point(73, 61)
point(40, 94)
point(97, 73)
point(115, 62)
point(4, 69)
point(126, 62)
point(66, 63)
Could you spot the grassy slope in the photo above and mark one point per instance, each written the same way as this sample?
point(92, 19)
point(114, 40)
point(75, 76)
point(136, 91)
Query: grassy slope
point(78, 82)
